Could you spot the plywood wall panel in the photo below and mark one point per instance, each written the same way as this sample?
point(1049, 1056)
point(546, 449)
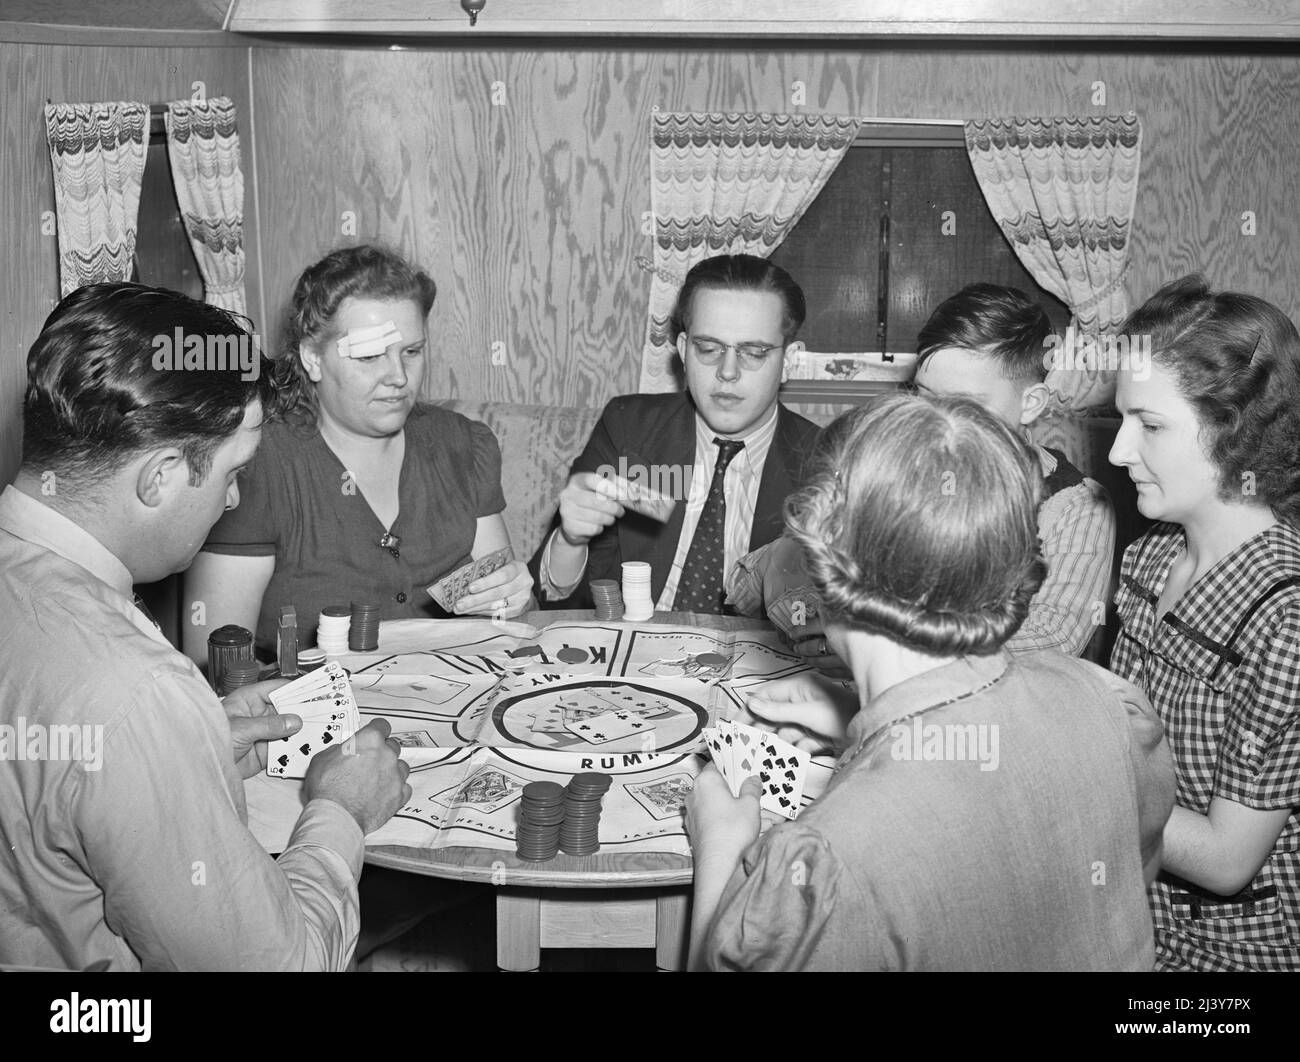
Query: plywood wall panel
point(31, 74)
point(517, 179)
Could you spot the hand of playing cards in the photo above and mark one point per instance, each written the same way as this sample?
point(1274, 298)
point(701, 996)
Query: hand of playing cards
point(742, 752)
point(323, 700)
point(452, 587)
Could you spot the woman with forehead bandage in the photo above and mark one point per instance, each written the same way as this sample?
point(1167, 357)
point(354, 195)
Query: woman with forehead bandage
point(362, 493)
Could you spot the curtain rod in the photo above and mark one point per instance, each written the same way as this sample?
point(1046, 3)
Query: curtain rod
point(913, 121)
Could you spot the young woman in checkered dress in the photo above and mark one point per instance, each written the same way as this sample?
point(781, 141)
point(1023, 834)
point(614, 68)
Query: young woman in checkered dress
point(1209, 602)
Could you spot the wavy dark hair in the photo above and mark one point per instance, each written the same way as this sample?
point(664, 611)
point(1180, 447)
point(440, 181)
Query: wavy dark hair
point(920, 523)
point(741, 272)
point(1003, 323)
point(1236, 359)
point(96, 397)
point(366, 271)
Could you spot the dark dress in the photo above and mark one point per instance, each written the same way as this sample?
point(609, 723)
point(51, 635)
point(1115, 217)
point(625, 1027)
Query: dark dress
point(298, 505)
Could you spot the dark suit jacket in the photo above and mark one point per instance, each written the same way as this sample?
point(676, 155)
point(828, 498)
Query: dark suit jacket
point(659, 430)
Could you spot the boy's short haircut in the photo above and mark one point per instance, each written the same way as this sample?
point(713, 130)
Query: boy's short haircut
point(1003, 323)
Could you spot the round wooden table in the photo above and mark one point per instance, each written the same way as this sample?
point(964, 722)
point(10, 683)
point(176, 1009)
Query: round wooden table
point(604, 900)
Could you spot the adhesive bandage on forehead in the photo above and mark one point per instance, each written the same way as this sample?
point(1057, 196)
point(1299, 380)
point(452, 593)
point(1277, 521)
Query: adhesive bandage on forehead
point(367, 342)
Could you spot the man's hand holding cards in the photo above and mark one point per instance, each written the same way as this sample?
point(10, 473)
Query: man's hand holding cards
point(742, 752)
point(323, 700)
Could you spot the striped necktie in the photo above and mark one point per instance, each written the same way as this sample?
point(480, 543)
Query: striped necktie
point(700, 587)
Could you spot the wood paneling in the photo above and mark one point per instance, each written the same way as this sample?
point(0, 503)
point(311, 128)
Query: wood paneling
point(521, 177)
point(29, 75)
point(1051, 19)
point(526, 210)
point(113, 14)
point(529, 213)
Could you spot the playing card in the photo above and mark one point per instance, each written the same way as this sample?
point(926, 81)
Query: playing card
point(451, 588)
point(324, 701)
point(782, 772)
point(718, 750)
point(315, 736)
point(610, 726)
point(642, 499)
point(744, 753)
point(415, 739)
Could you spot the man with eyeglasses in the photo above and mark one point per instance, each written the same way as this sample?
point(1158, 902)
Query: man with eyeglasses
point(726, 451)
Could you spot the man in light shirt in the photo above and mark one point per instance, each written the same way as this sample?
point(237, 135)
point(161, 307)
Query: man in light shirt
point(726, 450)
point(130, 844)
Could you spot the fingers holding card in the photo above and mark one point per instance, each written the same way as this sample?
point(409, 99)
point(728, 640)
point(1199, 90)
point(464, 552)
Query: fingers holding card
point(742, 752)
point(452, 587)
point(324, 701)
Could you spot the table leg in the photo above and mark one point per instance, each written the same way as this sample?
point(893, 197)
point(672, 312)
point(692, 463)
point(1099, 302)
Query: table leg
point(672, 928)
point(519, 930)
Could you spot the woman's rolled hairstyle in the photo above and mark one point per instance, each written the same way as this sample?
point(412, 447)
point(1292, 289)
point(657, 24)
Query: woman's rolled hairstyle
point(920, 523)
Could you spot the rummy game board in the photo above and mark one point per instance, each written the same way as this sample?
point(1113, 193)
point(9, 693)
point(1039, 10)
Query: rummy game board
point(481, 709)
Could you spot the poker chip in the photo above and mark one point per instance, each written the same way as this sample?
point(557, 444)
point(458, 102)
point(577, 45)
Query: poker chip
point(332, 630)
point(637, 603)
point(554, 818)
point(363, 635)
point(541, 818)
point(607, 598)
point(239, 673)
point(580, 831)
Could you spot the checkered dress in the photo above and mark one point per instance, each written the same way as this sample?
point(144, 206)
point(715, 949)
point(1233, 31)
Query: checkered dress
point(1223, 671)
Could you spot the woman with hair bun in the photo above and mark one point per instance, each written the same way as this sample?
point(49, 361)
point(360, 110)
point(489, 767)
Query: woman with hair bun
point(983, 799)
point(362, 493)
point(1209, 601)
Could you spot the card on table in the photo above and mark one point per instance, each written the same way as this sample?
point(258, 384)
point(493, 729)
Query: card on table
point(452, 587)
point(610, 726)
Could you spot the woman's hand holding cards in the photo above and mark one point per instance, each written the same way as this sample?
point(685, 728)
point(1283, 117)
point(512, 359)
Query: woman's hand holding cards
point(719, 824)
point(504, 593)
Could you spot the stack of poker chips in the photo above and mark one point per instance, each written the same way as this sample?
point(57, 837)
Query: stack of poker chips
point(364, 635)
point(637, 605)
point(608, 599)
point(579, 833)
point(332, 631)
point(541, 814)
point(239, 673)
point(310, 659)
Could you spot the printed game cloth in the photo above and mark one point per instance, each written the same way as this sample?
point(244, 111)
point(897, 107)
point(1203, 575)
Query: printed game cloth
point(482, 709)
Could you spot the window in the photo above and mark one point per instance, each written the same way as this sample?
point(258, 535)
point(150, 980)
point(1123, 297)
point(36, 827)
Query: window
point(163, 256)
point(900, 225)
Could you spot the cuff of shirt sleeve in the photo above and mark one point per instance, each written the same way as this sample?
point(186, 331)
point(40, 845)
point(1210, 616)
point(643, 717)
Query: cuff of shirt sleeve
point(326, 824)
point(549, 589)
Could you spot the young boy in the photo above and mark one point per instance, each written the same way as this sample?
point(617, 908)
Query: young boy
point(990, 344)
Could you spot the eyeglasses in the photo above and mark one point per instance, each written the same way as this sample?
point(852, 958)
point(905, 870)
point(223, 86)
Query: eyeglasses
point(751, 356)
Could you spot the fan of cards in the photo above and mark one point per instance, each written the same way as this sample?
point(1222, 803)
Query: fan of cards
point(746, 752)
point(323, 700)
point(452, 587)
